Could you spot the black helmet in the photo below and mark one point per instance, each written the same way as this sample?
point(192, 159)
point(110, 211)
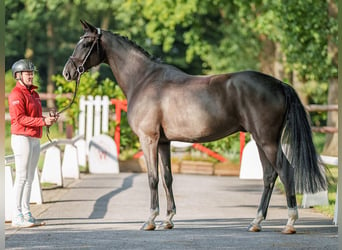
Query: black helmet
point(22, 65)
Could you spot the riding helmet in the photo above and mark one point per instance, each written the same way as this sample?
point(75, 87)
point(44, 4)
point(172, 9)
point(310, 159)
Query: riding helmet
point(22, 65)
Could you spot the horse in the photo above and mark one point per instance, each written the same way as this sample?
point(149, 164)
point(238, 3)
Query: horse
point(166, 104)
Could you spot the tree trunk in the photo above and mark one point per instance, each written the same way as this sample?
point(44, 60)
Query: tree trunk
point(331, 143)
point(51, 68)
point(267, 56)
point(271, 59)
point(299, 86)
point(105, 21)
point(278, 62)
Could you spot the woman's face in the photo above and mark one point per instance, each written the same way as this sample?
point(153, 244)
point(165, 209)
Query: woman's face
point(27, 77)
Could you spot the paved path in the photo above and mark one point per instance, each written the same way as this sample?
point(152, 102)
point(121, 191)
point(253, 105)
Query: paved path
point(106, 212)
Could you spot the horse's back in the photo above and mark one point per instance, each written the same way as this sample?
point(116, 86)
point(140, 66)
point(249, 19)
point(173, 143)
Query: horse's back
point(261, 84)
point(206, 108)
point(211, 107)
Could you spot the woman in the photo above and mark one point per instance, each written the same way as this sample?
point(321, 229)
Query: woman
point(26, 128)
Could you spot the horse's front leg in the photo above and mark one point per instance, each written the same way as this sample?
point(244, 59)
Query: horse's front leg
point(165, 162)
point(149, 147)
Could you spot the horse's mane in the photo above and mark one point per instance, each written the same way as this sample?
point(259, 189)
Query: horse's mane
point(138, 47)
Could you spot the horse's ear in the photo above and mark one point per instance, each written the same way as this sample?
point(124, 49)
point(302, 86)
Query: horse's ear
point(87, 26)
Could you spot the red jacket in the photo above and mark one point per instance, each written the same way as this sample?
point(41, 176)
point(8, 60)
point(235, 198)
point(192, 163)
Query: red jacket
point(25, 110)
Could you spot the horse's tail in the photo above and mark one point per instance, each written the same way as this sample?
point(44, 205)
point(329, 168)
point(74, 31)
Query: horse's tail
point(300, 151)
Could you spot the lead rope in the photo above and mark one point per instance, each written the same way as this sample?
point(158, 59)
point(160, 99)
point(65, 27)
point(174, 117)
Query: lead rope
point(80, 71)
point(53, 113)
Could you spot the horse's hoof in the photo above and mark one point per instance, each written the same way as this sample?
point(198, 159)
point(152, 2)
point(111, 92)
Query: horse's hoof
point(254, 228)
point(166, 225)
point(148, 226)
point(289, 230)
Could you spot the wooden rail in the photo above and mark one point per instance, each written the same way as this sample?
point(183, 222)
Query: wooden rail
point(324, 129)
point(323, 108)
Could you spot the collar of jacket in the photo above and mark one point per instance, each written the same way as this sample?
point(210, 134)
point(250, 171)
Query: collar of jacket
point(22, 86)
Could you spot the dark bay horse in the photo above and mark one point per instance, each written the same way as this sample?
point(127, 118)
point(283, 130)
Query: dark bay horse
point(166, 104)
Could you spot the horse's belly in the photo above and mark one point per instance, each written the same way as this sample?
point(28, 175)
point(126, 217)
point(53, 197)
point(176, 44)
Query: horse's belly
point(198, 128)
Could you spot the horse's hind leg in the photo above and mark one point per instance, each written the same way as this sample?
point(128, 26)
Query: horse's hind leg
point(165, 167)
point(286, 175)
point(269, 176)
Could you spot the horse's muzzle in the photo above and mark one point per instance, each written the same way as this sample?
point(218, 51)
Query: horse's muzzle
point(67, 71)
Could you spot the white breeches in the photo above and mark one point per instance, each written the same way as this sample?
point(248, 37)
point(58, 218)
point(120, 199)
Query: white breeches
point(26, 153)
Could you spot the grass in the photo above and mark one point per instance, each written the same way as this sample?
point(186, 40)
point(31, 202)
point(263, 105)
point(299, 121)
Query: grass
point(47, 185)
point(332, 189)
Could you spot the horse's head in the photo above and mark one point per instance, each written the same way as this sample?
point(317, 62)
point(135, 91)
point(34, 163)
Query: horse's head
point(87, 53)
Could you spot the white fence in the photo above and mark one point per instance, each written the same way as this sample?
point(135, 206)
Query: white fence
point(93, 117)
point(93, 124)
point(100, 149)
point(54, 170)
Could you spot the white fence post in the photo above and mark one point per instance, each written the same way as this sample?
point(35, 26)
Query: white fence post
point(105, 113)
point(9, 195)
point(70, 167)
point(81, 116)
point(81, 146)
point(52, 169)
point(97, 115)
point(320, 198)
point(316, 199)
point(251, 167)
point(336, 208)
point(103, 156)
point(36, 191)
point(89, 128)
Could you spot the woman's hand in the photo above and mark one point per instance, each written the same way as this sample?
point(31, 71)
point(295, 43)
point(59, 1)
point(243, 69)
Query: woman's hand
point(50, 120)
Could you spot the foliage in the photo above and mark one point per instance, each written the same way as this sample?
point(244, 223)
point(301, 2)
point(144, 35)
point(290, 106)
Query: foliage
point(211, 36)
point(10, 81)
point(305, 43)
point(209, 31)
point(89, 85)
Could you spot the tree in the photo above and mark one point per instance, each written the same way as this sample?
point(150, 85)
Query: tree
point(32, 32)
point(45, 31)
point(295, 41)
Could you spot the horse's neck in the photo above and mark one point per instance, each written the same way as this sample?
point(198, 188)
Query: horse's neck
point(128, 65)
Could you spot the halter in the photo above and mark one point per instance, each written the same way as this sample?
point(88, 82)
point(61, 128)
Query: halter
point(80, 70)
